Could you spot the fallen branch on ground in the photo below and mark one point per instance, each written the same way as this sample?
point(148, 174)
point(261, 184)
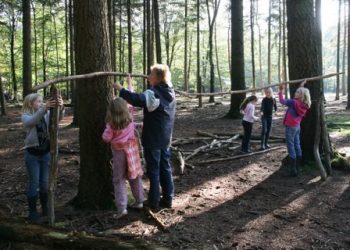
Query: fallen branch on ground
point(154, 216)
point(240, 156)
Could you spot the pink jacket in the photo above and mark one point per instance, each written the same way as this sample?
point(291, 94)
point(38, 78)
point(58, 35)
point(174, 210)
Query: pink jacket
point(295, 112)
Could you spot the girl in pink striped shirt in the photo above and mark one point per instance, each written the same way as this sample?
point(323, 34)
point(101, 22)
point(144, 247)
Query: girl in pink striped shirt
point(248, 110)
point(120, 133)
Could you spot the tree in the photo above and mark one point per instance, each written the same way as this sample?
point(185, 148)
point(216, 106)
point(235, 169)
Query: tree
point(27, 52)
point(211, 24)
point(304, 62)
point(2, 98)
point(348, 83)
point(343, 85)
point(128, 4)
point(157, 31)
point(237, 58)
point(338, 52)
point(269, 44)
point(199, 78)
point(186, 43)
point(93, 54)
point(252, 40)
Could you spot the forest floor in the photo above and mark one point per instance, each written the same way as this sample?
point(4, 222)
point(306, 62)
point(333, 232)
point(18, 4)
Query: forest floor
point(239, 204)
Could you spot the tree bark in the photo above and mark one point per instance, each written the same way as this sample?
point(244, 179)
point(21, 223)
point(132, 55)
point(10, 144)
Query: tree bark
point(319, 36)
point(217, 57)
point(343, 85)
point(348, 82)
point(185, 52)
point(27, 52)
point(93, 53)
point(35, 43)
point(269, 45)
point(157, 31)
point(237, 58)
point(129, 36)
point(199, 78)
point(12, 51)
point(303, 62)
point(66, 32)
point(337, 89)
point(252, 41)
point(284, 52)
point(2, 98)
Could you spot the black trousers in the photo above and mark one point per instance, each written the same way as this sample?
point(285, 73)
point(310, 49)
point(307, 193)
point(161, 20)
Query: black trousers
point(247, 127)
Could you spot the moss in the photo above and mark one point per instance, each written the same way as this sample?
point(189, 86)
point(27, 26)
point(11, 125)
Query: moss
point(340, 161)
point(339, 123)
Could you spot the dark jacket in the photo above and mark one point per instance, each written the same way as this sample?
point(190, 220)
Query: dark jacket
point(267, 106)
point(157, 125)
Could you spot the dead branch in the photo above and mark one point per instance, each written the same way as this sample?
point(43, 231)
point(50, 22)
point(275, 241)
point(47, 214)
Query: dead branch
point(83, 76)
point(232, 92)
point(155, 218)
point(240, 156)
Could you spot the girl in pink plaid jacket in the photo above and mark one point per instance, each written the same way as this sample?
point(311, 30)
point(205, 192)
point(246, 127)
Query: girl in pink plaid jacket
point(120, 133)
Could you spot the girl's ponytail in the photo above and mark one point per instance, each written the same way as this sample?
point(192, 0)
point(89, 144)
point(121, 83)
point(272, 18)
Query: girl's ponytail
point(246, 101)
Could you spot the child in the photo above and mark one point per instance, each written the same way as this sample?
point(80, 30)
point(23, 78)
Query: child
point(120, 132)
point(248, 109)
point(35, 119)
point(159, 105)
point(267, 106)
point(297, 108)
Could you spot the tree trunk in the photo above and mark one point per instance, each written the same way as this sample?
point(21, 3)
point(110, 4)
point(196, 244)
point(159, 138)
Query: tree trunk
point(217, 57)
point(12, 51)
point(144, 44)
point(304, 62)
point(43, 45)
point(113, 40)
point(185, 52)
point(279, 39)
point(259, 34)
point(252, 41)
point(199, 79)
point(190, 58)
point(27, 51)
point(237, 57)
point(269, 45)
point(319, 36)
point(35, 44)
point(129, 36)
point(56, 41)
point(93, 53)
point(2, 98)
point(343, 85)
point(348, 80)
point(150, 53)
point(284, 52)
point(157, 31)
point(337, 89)
point(66, 31)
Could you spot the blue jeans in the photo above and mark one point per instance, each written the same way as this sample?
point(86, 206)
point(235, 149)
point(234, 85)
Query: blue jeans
point(266, 128)
point(159, 172)
point(293, 142)
point(38, 173)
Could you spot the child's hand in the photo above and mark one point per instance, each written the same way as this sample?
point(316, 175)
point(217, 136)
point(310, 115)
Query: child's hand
point(303, 83)
point(50, 103)
point(117, 86)
point(60, 101)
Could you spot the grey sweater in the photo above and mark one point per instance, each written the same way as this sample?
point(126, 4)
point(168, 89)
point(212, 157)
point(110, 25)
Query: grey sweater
point(31, 120)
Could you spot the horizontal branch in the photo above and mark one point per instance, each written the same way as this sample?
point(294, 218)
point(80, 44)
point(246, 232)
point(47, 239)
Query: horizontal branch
point(84, 76)
point(232, 92)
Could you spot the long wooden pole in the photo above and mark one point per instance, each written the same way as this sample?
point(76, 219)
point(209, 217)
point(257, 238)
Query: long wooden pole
point(53, 130)
point(99, 74)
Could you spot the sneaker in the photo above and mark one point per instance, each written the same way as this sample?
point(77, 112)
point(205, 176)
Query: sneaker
point(121, 214)
point(136, 205)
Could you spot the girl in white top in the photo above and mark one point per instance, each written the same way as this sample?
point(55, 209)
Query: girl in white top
point(248, 110)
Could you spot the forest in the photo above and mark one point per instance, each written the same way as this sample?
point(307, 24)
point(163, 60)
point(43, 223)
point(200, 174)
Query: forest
point(233, 185)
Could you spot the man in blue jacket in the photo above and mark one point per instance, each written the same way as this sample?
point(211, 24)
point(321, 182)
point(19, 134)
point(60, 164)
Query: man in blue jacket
point(159, 106)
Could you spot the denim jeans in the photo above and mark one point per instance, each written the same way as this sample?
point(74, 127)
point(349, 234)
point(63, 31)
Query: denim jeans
point(247, 127)
point(38, 173)
point(266, 128)
point(159, 172)
point(293, 142)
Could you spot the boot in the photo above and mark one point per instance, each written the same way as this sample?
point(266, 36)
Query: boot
point(33, 214)
point(266, 142)
point(263, 147)
point(298, 165)
point(43, 202)
point(293, 167)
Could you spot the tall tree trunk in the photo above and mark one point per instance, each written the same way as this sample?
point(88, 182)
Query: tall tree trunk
point(43, 44)
point(27, 51)
point(229, 47)
point(199, 79)
point(279, 39)
point(121, 51)
point(35, 43)
point(150, 53)
point(113, 40)
point(2, 98)
point(12, 51)
point(189, 58)
point(304, 62)
point(217, 57)
point(93, 54)
point(284, 48)
point(56, 41)
point(252, 41)
point(319, 36)
point(185, 52)
point(237, 57)
point(144, 44)
point(348, 80)
point(66, 31)
point(343, 85)
point(129, 36)
point(157, 31)
point(337, 90)
point(269, 45)
point(259, 34)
